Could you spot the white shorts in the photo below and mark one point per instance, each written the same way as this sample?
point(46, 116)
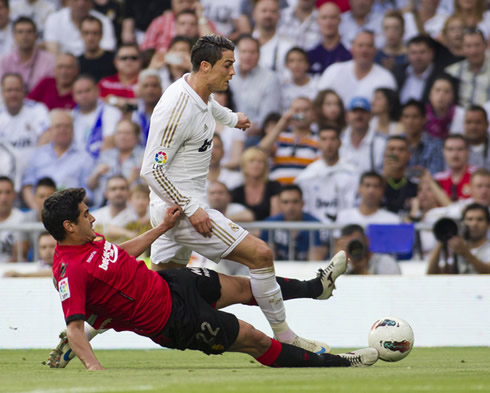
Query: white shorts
point(177, 244)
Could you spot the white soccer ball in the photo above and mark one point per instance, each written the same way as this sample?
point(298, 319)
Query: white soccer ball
point(392, 337)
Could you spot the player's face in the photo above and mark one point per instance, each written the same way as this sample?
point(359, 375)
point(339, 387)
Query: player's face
point(222, 72)
point(455, 153)
point(480, 189)
point(84, 227)
point(47, 244)
point(291, 205)
point(476, 223)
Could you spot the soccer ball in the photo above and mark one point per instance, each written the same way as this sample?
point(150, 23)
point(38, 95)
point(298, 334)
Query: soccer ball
point(392, 337)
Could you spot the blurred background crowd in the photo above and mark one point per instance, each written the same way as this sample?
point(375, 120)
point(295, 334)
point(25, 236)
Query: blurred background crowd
point(363, 112)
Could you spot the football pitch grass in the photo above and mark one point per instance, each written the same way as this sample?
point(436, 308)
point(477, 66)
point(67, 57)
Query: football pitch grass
point(441, 370)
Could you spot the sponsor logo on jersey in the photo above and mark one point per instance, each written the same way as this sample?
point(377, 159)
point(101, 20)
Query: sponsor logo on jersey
point(64, 289)
point(91, 256)
point(161, 157)
point(109, 256)
point(205, 146)
point(62, 270)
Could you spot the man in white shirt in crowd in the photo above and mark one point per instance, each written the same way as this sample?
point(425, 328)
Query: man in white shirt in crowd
point(299, 24)
point(37, 10)
point(360, 18)
point(371, 190)
point(361, 145)
point(329, 184)
point(471, 250)
point(112, 218)
point(94, 121)
point(476, 133)
point(62, 30)
point(273, 46)
point(256, 89)
point(10, 241)
point(6, 37)
point(21, 124)
point(359, 76)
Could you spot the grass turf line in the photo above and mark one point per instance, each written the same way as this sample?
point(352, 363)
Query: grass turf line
point(443, 370)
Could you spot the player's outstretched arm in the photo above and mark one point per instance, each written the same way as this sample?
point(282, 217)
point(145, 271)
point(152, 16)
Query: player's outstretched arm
point(138, 245)
point(81, 346)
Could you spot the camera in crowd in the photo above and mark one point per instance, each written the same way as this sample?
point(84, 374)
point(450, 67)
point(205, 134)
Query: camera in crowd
point(357, 250)
point(445, 228)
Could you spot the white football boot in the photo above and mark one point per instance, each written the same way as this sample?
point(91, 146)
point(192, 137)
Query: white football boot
point(311, 345)
point(62, 354)
point(336, 267)
point(364, 357)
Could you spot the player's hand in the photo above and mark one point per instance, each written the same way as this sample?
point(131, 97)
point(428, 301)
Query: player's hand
point(172, 215)
point(201, 222)
point(243, 121)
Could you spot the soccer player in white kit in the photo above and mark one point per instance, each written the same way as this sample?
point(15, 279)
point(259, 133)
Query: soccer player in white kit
point(175, 166)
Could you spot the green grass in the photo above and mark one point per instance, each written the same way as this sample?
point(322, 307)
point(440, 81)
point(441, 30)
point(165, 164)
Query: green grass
point(429, 370)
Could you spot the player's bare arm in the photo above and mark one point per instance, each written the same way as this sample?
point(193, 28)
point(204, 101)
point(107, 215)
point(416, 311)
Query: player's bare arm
point(81, 346)
point(138, 245)
point(201, 222)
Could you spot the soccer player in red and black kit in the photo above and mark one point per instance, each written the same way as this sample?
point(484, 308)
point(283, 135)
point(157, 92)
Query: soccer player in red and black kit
point(105, 285)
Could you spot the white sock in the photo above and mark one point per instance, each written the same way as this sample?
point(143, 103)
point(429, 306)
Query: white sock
point(90, 332)
point(267, 293)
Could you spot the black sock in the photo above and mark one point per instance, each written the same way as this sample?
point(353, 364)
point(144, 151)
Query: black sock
point(286, 355)
point(295, 289)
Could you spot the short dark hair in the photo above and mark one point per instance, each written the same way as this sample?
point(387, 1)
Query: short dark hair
point(7, 179)
point(393, 100)
point(91, 18)
point(477, 108)
point(46, 182)
point(453, 82)
point(460, 137)
point(5, 3)
point(187, 11)
point(397, 138)
point(297, 49)
point(422, 39)
point(329, 127)
point(128, 45)
point(473, 30)
point(209, 48)
point(477, 206)
point(350, 229)
point(291, 187)
point(247, 36)
point(417, 104)
point(181, 38)
point(89, 77)
point(24, 19)
point(374, 174)
point(59, 207)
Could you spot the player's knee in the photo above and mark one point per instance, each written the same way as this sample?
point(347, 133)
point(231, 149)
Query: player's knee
point(253, 341)
point(263, 255)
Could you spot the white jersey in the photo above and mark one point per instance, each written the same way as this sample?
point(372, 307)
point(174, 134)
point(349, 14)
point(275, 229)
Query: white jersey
point(328, 189)
point(354, 216)
point(222, 13)
point(21, 132)
point(178, 151)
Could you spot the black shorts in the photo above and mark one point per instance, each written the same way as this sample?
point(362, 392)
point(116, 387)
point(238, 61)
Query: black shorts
point(194, 323)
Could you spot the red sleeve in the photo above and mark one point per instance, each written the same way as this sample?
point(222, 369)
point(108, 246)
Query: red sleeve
point(72, 289)
point(36, 93)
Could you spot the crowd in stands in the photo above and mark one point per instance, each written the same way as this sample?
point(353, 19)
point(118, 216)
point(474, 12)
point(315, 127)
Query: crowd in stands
point(362, 112)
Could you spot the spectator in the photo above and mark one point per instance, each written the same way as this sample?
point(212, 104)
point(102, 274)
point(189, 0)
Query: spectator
point(226, 16)
point(471, 251)
point(255, 88)
point(360, 143)
point(13, 246)
point(163, 28)
point(299, 83)
point(219, 198)
point(329, 109)
point(425, 150)
point(7, 161)
point(455, 181)
point(124, 159)
point(273, 46)
point(473, 73)
point(22, 122)
point(360, 18)
point(394, 51)
point(425, 19)
point(299, 24)
point(46, 245)
point(62, 30)
point(231, 179)
point(56, 93)
point(307, 246)
point(330, 50)
point(258, 193)
point(149, 92)
point(329, 184)
point(94, 121)
point(291, 142)
point(112, 219)
point(45, 187)
point(174, 63)
point(7, 42)
point(371, 189)
point(36, 10)
point(399, 188)
point(385, 108)
point(360, 76)
point(32, 63)
point(139, 200)
point(94, 60)
point(452, 39)
point(233, 139)
point(474, 14)
point(476, 133)
point(186, 25)
point(361, 260)
point(61, 159)
point(415, 78)
point(112, 10)
point(119, 89)
point(137, 16)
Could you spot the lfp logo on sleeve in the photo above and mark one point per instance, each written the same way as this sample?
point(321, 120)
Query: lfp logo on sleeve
point(64, 289)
